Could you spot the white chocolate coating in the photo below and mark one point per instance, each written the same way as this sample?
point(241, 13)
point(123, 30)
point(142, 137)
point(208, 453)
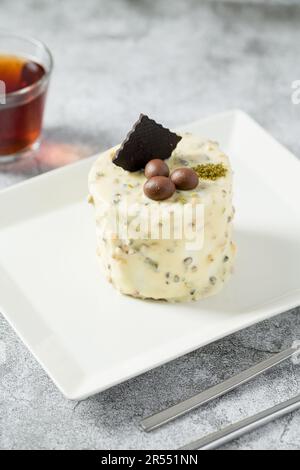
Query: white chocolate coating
point(167, 269)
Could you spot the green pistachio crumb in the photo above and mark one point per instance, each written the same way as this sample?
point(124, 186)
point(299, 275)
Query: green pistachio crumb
point(187, 261)
point(211, 171)
point(183, 162)
point(153, 264)
point(181, 199)
point(117, 198)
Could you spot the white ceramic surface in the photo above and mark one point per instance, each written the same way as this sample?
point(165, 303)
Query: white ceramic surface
point(86, 335)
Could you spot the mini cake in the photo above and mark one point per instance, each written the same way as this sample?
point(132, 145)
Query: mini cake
point(149, 266)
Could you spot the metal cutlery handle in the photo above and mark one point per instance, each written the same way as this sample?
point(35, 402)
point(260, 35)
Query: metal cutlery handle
point(216, 439)
point(162, 417)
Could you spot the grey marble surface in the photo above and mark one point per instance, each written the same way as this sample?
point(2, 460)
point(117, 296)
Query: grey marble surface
point(178, 61)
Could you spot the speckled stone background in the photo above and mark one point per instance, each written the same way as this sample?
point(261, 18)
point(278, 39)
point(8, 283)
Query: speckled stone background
point(178, 61)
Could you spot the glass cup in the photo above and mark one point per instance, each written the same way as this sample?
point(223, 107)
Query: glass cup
point(25, 69)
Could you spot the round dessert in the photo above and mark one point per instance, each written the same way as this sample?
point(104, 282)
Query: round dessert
point(144, 264)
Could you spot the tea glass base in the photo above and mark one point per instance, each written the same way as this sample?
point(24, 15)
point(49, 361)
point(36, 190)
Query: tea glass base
point(26, 152)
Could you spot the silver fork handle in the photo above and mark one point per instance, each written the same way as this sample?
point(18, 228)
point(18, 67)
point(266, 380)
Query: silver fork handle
point(167, 415)
point(216, 439)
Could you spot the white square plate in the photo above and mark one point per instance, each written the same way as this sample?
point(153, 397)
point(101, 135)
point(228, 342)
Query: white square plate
point(86, 335)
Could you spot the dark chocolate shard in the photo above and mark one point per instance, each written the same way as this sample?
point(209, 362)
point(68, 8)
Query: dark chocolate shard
point(145, 141)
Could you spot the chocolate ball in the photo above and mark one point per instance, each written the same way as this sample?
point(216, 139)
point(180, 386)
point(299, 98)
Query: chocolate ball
point(156, 167)
point(159, 188)
point(185, 178)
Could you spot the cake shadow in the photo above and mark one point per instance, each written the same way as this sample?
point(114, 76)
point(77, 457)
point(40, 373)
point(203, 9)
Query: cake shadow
point(267, 268)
